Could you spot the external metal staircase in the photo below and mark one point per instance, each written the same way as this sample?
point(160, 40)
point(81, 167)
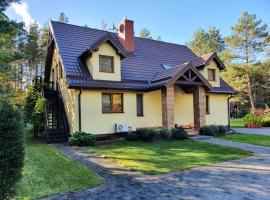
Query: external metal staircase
point(56, 127)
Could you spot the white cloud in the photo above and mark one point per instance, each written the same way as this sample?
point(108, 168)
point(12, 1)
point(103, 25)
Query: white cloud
point(21, 9)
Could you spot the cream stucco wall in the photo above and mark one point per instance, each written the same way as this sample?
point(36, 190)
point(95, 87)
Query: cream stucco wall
point(218, 109)
point(94, 121)
point(204, 71)
point(93, 64)
point(183, 107)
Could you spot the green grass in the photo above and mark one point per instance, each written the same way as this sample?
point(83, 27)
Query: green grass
point(262, 140)
point(166, 156)
point(47, 172)
point(237, 122)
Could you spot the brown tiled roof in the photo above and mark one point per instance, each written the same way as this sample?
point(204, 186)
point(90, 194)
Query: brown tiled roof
point(138, 70)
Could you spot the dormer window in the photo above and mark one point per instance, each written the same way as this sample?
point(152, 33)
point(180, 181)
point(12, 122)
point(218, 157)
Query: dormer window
point(211, 74)
point(106, 64)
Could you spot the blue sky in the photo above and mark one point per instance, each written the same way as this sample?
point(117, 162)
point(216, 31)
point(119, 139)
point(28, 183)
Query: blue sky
point(175, 21)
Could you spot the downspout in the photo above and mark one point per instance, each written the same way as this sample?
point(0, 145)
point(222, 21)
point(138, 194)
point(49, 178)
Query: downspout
point(229, 113)
point(80, 113)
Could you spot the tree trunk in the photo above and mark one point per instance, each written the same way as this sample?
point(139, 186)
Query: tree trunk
point(250, 92)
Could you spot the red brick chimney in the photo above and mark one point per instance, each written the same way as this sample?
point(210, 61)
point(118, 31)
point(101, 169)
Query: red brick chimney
point(126, 34)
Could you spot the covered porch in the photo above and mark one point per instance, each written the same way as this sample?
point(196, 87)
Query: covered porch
point(184, 100)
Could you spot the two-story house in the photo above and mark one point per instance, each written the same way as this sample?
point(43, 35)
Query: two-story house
point(107, 78)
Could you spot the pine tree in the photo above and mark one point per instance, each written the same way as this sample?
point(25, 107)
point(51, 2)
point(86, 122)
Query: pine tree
point(145, 33)
point(104, 25)
point(63, 18)
point(248, 39)
point(32, 48)
point(204, 42)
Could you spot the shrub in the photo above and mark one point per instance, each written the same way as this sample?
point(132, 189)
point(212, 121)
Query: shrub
point(147, 134)
point(132, 135)
point(266, 122)
point(11, 148)
point(165, 133)
point(38, 117)
point(251, 118)
point(222, 130)
point(179, 133)
point(32, 96)
point(207, 130)
point(213, 130)
point(82, 139)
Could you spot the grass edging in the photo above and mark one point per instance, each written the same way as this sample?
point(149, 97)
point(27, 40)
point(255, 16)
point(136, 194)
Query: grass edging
point(48, 172)
point(255, 139)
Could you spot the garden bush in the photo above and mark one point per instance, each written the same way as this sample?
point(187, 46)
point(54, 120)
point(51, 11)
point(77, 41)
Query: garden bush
point(32, 96)
point(221, 130)
point(132, 135)
point(165, 133)
point(82, 139)
point(11, 148)
point(266, 121)
point(38, 115)
point(179, 133)
point(147, 134)
point(213, 130)
point(207, 130)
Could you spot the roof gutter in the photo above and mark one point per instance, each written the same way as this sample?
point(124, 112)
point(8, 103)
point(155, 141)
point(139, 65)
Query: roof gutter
point(229, 114)
point(80, 113)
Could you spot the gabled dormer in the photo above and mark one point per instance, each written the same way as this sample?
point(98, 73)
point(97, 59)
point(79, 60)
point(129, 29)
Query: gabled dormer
point(212, 68)
point(103, 57)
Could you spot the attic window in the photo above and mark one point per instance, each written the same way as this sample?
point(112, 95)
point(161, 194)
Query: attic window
point(106, 64)
point(211, 74)
point(166, 66)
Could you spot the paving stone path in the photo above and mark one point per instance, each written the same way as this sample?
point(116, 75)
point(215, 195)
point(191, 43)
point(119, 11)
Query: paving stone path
point(247, 178)
point(259, 131)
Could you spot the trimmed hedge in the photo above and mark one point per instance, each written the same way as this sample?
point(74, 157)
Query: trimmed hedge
point(179, 133)
point(82, 139)
point(165, 133)
point(213, 130)
point(132, 135)
point(11, 148)
point(150, 134)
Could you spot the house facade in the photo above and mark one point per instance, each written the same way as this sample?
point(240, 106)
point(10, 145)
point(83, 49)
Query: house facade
point(107, 78)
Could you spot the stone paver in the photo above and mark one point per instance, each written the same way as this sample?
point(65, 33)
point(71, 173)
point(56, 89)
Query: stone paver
point(247, 178)
point(260, 131)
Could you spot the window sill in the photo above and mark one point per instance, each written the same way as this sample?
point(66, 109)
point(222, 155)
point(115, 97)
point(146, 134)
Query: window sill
point(112, 112)
point(140, 115)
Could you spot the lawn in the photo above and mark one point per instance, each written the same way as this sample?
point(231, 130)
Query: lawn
point(263, 140)
point(47, 172)
point(166, 156)
point(237, 122)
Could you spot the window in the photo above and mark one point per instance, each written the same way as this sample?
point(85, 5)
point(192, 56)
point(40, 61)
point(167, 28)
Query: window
point(207, 106)
point(211, 74)
point(112, 103)
point(106, 64)
point(139, 98)
point(60, 70)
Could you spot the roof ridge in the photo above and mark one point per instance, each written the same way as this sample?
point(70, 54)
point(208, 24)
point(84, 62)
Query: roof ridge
point(86, 27)
point(116, 33)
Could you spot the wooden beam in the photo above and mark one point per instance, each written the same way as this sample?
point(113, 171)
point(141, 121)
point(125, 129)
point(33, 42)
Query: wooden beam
point(189, 83)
